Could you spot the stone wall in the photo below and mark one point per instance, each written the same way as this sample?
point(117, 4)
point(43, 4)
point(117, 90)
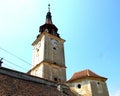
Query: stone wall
point(10, 86)
point(14, 83)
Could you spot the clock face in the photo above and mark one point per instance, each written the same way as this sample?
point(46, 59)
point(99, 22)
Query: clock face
point(54, 42)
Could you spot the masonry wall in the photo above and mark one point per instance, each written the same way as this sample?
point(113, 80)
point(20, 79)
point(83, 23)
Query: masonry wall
point(15, 83)
point(10, 86)
point(99, 88)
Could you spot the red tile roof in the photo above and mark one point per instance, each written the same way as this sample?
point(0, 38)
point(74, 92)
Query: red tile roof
point(84, 74)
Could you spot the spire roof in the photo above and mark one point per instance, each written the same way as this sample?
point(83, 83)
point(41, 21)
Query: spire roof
point(48, 16)
point(48, 7)
point(49, 26)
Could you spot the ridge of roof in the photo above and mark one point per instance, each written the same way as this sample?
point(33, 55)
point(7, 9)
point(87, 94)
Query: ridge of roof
point(84, 74)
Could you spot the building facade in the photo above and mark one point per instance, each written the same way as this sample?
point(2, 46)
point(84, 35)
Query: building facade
point(49, 63)
point(88, 83)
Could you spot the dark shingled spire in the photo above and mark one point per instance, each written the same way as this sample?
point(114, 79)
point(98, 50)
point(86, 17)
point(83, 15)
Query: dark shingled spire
point(49, 26)
point(48, 16)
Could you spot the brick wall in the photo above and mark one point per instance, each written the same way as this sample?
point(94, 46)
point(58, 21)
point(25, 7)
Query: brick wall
point(10, 86)
point(15, 83)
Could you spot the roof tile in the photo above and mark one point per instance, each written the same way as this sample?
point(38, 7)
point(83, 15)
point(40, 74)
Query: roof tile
point(84, 74)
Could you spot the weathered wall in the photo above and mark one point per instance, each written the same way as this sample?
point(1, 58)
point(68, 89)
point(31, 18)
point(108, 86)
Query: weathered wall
point(87, 87)
point(14, 83)
point(82, 87)
point(54, 52)
point(99, 88)
point(48, 56)
point(10, 86)
point(52, 72)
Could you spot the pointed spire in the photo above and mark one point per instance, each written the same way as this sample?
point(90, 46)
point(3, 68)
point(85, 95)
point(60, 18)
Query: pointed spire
point(49, 26)
point(48, 7)
point(48, 16)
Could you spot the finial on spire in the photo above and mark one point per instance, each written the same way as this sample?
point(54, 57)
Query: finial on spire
point(48, 16)
point(48, 7)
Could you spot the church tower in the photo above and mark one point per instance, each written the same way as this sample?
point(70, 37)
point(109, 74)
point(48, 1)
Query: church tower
point(48, 53)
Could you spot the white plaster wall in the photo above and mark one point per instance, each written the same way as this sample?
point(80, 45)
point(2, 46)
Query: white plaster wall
point(38, 71)
point(38, 56)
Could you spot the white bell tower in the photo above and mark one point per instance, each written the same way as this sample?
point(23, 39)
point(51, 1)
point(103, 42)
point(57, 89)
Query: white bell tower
point(48, 53)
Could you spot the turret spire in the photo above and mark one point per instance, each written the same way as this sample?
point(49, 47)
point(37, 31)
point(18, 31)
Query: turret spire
point(48, 16)
point(49, 26)
point(48, 7)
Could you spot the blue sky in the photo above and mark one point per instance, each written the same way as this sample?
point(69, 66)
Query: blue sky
point(91, 29)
